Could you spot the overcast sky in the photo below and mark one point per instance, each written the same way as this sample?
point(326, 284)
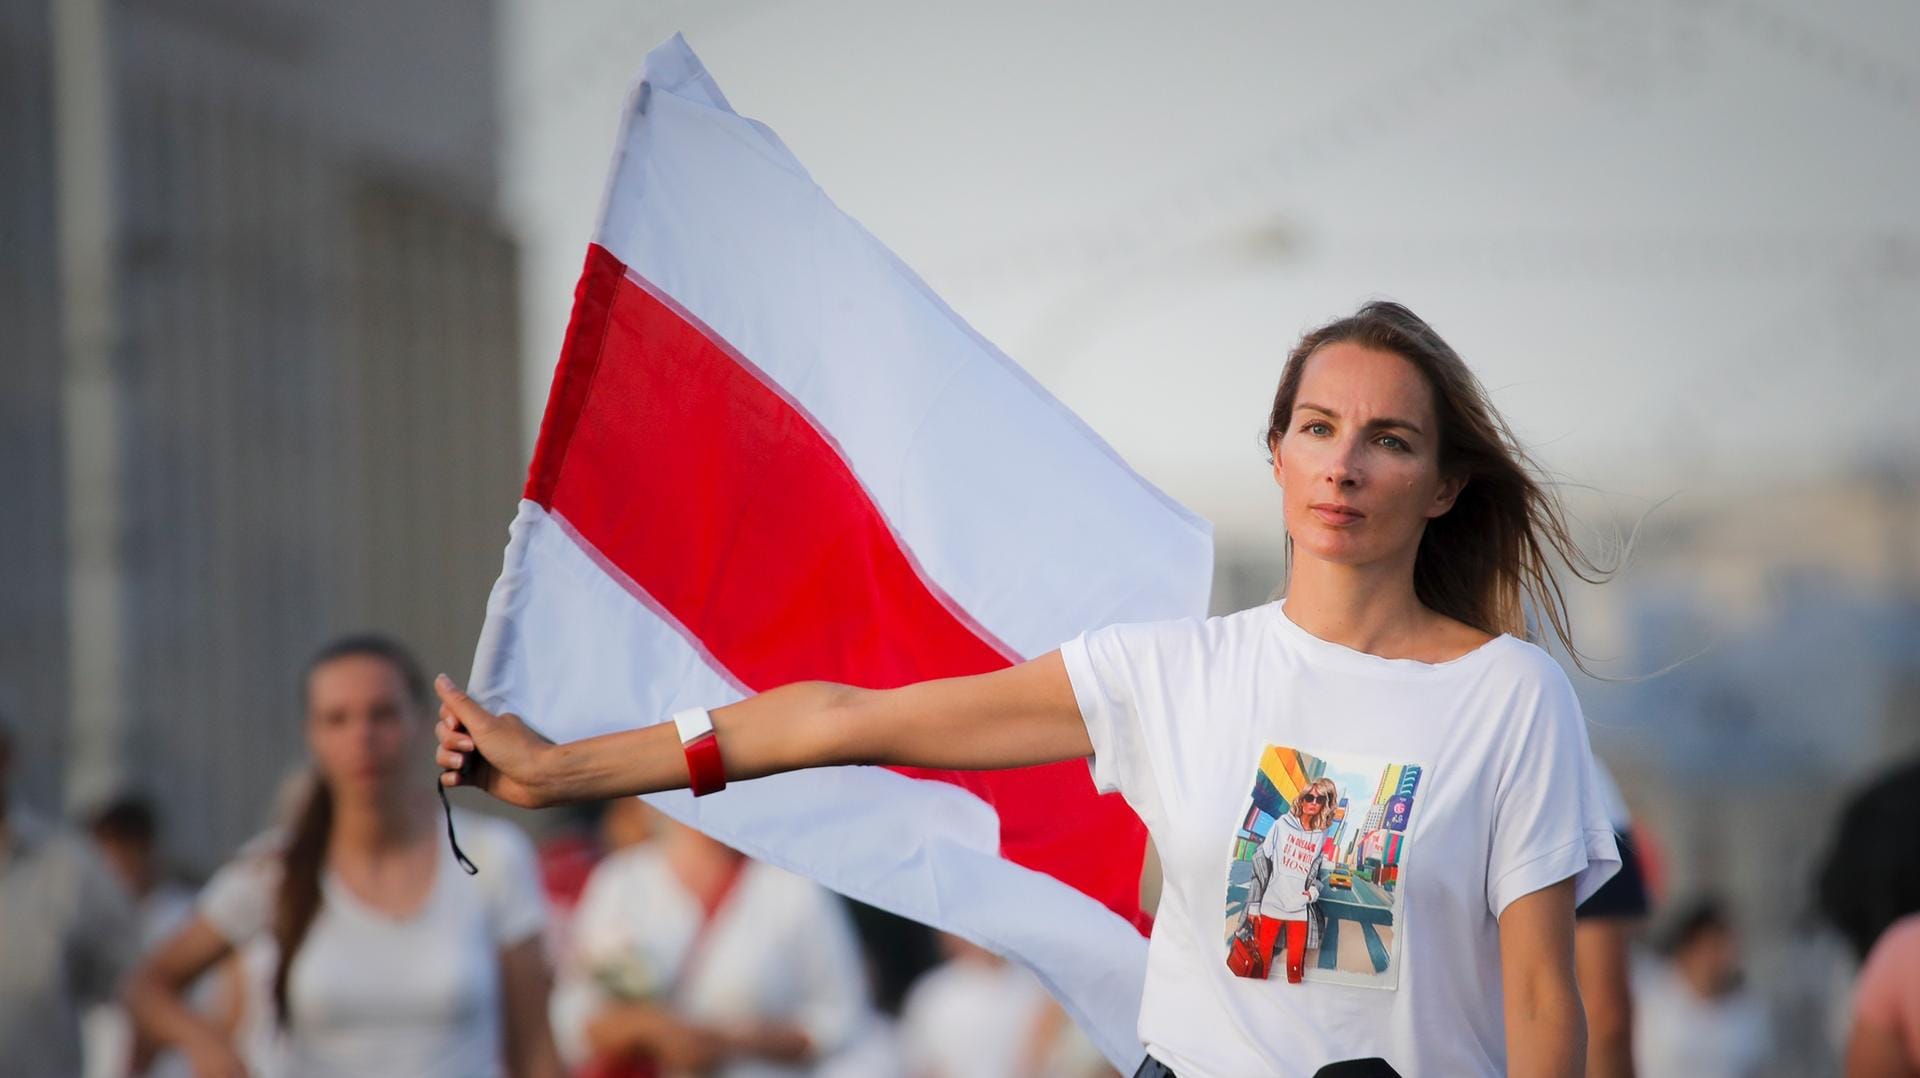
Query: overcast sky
point(1679, 241)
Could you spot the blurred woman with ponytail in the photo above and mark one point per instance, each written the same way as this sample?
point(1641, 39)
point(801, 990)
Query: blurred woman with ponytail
point(388, 958)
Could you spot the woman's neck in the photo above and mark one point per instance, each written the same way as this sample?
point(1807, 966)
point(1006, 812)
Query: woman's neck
point(1366, 608)
point(380, 824)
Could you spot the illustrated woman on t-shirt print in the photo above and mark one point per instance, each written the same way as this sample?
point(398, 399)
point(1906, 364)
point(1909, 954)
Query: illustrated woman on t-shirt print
point(1313, 889)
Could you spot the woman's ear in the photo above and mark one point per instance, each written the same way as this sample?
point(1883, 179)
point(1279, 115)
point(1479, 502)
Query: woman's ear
point(1448, 493)
point(1273, 458)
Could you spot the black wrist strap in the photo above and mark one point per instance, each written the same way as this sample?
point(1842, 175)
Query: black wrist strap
point(466, 865)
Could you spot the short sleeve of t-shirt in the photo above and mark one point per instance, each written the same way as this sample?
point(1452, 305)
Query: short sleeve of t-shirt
point(516, 907)
point(1550, 821)
point(238, 900)
point(1118, 676)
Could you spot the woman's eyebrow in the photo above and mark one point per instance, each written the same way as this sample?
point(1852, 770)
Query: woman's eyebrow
point(1377, 424)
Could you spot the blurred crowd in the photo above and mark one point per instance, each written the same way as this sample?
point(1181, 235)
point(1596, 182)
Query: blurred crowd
point(348, 938)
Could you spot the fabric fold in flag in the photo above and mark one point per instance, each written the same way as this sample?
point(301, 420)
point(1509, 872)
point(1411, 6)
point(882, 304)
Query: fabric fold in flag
point(772, 454)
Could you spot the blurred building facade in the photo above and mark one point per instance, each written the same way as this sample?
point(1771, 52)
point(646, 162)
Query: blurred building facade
point(261, 380)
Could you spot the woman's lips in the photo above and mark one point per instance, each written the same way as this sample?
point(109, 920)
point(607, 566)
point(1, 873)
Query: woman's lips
point(1339, 516)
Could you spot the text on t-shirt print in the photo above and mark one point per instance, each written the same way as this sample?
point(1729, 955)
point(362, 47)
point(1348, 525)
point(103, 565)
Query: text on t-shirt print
point(1314, 885)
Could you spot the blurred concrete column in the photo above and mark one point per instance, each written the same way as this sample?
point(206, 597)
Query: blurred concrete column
point(86, 237)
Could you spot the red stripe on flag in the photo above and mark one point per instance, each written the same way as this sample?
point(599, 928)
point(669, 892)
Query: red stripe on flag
point(721, 499)
point(579, 359)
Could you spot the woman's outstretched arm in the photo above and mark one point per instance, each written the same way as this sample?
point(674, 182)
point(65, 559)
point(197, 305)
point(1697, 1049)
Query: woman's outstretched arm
point(1015, 717)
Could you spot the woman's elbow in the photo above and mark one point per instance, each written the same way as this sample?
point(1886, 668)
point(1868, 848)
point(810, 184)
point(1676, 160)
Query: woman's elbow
point(1548, 1018)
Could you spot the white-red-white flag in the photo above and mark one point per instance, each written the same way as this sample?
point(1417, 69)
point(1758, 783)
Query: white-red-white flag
point(772, 454)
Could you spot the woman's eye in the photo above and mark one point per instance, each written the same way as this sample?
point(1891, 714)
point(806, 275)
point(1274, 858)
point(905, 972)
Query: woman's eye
point(1318, 428)
point(1395, 444)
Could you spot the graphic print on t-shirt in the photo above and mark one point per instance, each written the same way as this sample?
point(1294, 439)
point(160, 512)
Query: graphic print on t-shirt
point(1314, 887)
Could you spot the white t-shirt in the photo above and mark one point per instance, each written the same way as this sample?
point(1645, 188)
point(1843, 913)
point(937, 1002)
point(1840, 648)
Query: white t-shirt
point(780, 948)
point(1461, 786)
point(373, 994)
point(977, 1019)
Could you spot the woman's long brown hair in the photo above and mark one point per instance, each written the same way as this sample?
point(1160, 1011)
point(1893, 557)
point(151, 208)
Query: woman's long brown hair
point(304, 857)
point(1487, 557)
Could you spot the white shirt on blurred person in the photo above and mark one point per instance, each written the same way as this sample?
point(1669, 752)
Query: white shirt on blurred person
point(1694, 1018)
point(776, 949)
point(374, 994)
point(980, 1016)
point(1677, 1034)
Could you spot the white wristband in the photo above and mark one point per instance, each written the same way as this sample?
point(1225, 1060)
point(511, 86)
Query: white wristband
point(693, 724)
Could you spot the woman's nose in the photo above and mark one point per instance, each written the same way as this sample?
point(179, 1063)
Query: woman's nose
point(1344, 470)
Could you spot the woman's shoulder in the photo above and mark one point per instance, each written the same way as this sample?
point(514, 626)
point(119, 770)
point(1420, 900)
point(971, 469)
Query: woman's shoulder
point(238, 899)
point(259, 860)
point(268, 844)
point(1217, 634)
point(1250, 619)
point(1529, 665)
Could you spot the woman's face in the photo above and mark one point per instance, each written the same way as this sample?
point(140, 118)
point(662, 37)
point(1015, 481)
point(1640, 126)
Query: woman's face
point(1359, 464)
point(1313, 807)
point(361, 727)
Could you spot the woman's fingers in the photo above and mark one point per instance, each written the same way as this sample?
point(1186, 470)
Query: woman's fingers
point(454, 741)
point(451, 736)
point(512, 750)
point(463, 709)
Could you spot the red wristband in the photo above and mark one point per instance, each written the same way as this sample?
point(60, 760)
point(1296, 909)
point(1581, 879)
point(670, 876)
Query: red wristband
point(705, 770)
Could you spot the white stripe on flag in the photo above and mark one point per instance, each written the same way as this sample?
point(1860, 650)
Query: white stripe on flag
point(1010, 504)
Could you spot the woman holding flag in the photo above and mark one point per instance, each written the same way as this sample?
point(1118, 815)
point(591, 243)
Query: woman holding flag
point(1417, 537)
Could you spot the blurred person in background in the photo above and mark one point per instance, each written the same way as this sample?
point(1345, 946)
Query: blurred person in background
point(1697, 1018)
point(1869, 888)
point(980, 1016)
point(67, 932)
point(691, 958)
point(1604, 928)
point(127, 833)
point(387, 959)
point(567, 854)
point(256, 1035)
